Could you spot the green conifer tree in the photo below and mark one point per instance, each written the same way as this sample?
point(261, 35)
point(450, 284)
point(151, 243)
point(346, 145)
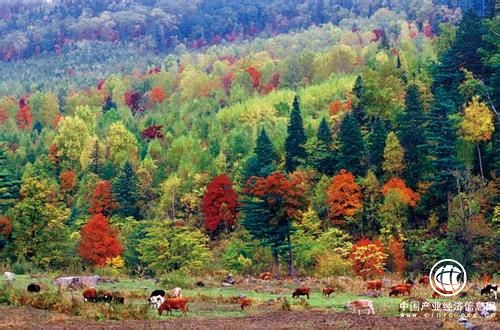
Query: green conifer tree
point(295, 152)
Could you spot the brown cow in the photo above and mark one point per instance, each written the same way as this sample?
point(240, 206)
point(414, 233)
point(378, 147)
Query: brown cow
point(266, 276)
point(424, 280)
point(374, 285)
point(174, 303)
point(328, 291)
point(90, 294)
point(245, 302)
point(301, 292)
point(400, 289)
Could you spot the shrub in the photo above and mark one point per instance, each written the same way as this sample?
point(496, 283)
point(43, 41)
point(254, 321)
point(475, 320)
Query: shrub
point(329, 264)
point(177, 279)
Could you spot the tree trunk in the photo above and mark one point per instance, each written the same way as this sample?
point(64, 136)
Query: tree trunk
point(290, 252)
point(276, 263)
point(480, 161)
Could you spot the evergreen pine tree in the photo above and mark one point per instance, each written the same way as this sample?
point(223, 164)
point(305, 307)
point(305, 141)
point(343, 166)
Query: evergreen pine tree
point(359, 105)
point(351, 151)
point(263, 161)
point(321, 156)
point(468, 41)
point(125, 191)
point(324, 133)
point(411, 136)
point(441, 138)
point(376, 144)
point(295, 152)
point(9, 186)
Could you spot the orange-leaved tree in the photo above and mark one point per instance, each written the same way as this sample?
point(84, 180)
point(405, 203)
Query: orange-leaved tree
point(343, 197)
point(368, 258)
point(396, 252)
point(99, 241)
point(102, 200)
point(395, 184)
point(157, 94)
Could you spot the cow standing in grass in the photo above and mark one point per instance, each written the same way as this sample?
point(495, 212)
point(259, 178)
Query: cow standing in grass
point(301, 292)
point(174, 303)
point(358, 305)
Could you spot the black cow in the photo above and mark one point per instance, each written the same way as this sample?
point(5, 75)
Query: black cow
point(33, 288)
point(490, 290)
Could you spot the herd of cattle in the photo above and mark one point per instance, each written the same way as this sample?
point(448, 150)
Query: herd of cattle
point(173, 300)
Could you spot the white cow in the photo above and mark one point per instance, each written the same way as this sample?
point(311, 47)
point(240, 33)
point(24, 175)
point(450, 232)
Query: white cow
point(358, 305)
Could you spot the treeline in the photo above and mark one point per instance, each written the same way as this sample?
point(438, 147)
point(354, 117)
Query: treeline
point(33, 27)
point(377, 153)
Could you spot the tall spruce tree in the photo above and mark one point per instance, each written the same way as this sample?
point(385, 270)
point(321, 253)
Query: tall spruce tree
point(359, 104)
point(411, 135)
point(376, 145)
point(263, 161)
point(351, 149)
point(468, 41)
point(9, 185)
point(321, 156)
point(126, 191)
point(441, 138)
point(295, 152)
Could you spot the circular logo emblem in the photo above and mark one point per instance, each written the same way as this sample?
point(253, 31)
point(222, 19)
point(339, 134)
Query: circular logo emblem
point(448, 277)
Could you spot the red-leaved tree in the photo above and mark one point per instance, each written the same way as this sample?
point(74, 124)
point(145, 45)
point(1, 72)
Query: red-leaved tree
point(5, 226)
point(368, 258)
point(152, 132)
point(24, 118)
point(219, 204)
point(343, 197)
point(99, 241)
point(255, 75)
point(102, 201)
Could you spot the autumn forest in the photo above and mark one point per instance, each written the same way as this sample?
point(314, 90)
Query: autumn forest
point(308, 137)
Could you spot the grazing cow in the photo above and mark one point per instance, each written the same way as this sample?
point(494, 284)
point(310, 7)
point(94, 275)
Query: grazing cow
point(200, 284)
point(490, 290)
point(301, 292)
point(90, 295)
point(156, 298)
point(400, 289)
point(245, 302)
point(358, 305)
point(105, 296)
point(424, 280)
point(33, 288)
point(174, 303)
point(328, 291)
point(176, 292)
point(266, 276)
point(156, 301)
point(374, 285)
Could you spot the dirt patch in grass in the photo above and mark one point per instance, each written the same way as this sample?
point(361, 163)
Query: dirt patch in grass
point(15, 317)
